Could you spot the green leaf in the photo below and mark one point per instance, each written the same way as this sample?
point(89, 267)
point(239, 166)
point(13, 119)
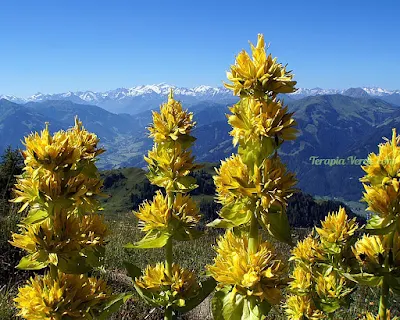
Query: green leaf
point(328, 306)
point(94, 256)
point(35, 216)
point(153, 239)
point(113, 305)
point(277, 224)
point(74, 263)
point(255, 310)
point(255, 152)
point(133, 271)
point(380, 226)
point(233, 215)
point(187, 234)
point(227, 305)
point(149, 297)
point(218, 223)
point(185, 184)
point(365, 279)
point(238, 213)
point(207, 286)
point(26, 263)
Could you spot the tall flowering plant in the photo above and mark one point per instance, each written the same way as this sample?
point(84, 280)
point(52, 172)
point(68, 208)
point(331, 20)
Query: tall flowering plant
point(378, 251)
point(59, 187)
point(170, 216)
point(253, 187)
point(319, 284)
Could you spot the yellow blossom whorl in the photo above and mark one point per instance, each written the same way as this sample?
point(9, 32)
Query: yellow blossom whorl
point(261, 274)
point(259, 75)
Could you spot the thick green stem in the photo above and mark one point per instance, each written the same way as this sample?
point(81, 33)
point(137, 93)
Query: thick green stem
point(168, 257)
point(383, 302)
point(253, 235)
point(168, 314)
point(168, 246)
point(53, 271)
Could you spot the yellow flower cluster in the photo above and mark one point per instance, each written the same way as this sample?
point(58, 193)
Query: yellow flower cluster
point(376, 252)
point(331, 286)
point(259, 75)
point(253, 119)
point(60, 237)
point(60, 184)
point(271, 185)
point(156, 215)
point(319, 266)
point(172, 123)
point(336, 230)
point(302, 308)
point(182, 284)
point(381, 181)
point(67, 295)
point(307, 251)
point(169, 168)
point(169, 217)
point(170, 161)
point(59, 170)
point(261, 274)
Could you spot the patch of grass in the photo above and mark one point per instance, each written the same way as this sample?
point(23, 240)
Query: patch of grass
point(7, 309)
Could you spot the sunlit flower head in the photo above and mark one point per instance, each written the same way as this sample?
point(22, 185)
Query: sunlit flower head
point(261, 274)
point(169, 168)
point(302, 308)
point(385, 201)
point(301, 280)
point(331, 286)
point(60, 171)
point(60, 236)
point(370, 251)
point(383, 169)
point(308, 251)
point(63, 149)
point(270, 184)
point(72, 296)
point(181, 284)
point(336, 229)
point(253, 119)
point(156, 215)
point(172, 123)
point(260, 75)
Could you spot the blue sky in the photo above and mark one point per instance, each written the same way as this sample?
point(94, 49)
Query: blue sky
point(57, 46)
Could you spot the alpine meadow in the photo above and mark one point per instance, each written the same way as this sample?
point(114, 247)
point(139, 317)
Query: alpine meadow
point(202, 160)
point(236, 211)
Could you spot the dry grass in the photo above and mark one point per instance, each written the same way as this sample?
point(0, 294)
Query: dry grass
point(193, 255)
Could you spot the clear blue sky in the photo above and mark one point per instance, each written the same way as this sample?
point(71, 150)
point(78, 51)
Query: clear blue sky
point(57, 46)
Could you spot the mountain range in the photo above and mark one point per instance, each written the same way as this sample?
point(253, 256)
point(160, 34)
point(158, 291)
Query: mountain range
point(345, 126)
point(145, 97)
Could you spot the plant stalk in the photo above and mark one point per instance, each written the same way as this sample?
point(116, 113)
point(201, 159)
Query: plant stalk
point(383, 302)
point(253, 235)
point(168, 246)
point(53, 271)
point(168, 314)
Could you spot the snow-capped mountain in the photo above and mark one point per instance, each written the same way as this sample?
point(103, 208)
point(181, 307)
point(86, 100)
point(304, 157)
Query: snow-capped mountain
point(140, 98)
point(134, 99)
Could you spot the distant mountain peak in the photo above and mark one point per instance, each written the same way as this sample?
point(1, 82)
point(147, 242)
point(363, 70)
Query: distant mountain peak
point(356, 93)
point(144, 97)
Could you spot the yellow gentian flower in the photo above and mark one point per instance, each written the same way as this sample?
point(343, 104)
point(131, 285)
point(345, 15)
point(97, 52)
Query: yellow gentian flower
point(261, 274)
point(260, 75)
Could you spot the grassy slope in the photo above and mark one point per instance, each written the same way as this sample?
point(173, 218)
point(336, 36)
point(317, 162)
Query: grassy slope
point(118, 200)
